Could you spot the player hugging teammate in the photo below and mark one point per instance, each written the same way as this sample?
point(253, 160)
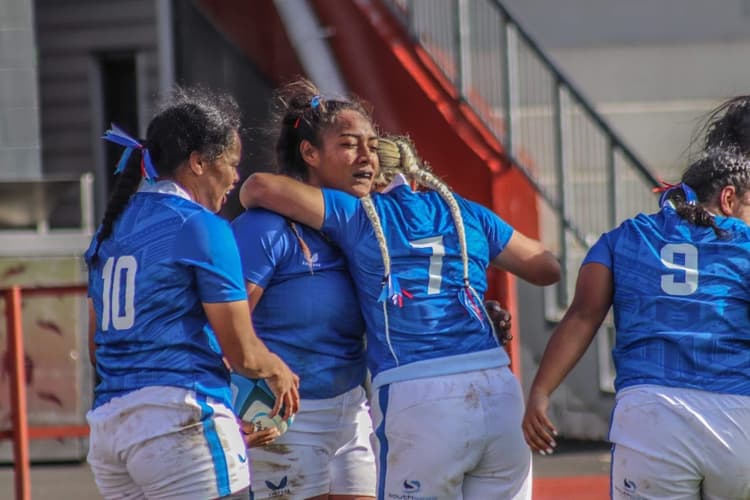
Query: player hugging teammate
point(446, 408)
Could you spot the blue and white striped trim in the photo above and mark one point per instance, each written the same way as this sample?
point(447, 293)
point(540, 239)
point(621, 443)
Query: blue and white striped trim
point(214, 445)
point(382, 440)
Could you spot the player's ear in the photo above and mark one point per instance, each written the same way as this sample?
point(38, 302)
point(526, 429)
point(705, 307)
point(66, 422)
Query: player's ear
point(309, 153)
point(196, 163)
point(728, 200)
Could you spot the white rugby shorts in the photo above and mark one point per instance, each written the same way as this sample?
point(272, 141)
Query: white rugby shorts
point(167, 443)
point(671, 443)
point(327, 450)
point(452, 436)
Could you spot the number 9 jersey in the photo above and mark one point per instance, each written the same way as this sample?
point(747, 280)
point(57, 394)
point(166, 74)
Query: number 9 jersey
point(681, 302)
point(166, 256)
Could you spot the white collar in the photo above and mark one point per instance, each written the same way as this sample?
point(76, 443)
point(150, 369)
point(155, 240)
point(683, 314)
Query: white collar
point(398, 180)
point(165, 187)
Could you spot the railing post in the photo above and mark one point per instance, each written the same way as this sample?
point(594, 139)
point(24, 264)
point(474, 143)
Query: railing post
point(19, 419)
point(562, 288)
point(611, 186)
point(462, 37)
point(505, 68)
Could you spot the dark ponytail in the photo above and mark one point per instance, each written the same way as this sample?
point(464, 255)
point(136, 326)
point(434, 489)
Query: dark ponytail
point(126, 185)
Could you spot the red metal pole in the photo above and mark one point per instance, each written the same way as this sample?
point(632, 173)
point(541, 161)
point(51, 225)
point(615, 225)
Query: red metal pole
point(18, 394)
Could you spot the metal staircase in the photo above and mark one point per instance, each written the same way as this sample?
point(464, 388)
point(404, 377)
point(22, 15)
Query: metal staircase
point(588, 178)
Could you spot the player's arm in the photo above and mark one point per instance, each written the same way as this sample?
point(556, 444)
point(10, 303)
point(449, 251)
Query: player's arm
point(92, 333)
point(254, 294)
point(253, 437)
point(529, 260)
point(571, 338)
point(249, 356)
point(286, 196)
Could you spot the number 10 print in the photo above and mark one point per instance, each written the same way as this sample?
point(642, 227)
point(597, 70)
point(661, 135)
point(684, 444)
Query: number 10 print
point(112, 273)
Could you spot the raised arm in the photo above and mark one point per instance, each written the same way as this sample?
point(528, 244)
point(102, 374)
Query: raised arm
point(286, 196)
point(571, 338)
point(529, 260)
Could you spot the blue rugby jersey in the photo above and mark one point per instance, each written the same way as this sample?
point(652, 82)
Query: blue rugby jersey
point(433, 333)
point(166, 255)
point(309, 314)
point(681, 302)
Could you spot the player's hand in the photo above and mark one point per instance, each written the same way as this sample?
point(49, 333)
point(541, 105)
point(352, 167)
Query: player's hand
point(537, 428)
point(501, 319)
point(258, 437)
point(285, 386)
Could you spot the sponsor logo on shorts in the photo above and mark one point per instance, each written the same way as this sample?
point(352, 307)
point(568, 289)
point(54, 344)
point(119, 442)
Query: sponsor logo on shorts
point(410, 488)
point(279, 489)
point(243, 458)
point(628, 489)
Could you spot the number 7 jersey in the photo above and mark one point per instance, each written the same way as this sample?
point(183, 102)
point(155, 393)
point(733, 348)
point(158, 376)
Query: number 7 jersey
point(430, 331)
point(166, 256)
point(681, 302)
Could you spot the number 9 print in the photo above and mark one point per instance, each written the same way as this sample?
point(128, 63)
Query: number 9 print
point(683, 280)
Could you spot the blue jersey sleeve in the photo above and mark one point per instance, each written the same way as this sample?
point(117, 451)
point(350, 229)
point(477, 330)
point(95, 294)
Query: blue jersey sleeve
point(262, 240)
point(206, 244)
point(497, 230)
point(600, 252)
point(343, 218)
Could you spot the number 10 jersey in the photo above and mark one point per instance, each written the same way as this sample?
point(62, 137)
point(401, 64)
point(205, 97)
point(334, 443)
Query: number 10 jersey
point(166, 256)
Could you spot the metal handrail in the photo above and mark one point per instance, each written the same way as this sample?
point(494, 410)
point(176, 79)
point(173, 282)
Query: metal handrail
point(573, 89)
point(582, 169)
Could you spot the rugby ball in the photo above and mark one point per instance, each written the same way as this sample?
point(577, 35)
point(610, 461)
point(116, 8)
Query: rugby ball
point(253, 401)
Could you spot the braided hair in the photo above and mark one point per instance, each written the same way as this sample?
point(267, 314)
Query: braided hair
point(723, 161)
point(189, 119)
point(707, 176)
point(397, 154)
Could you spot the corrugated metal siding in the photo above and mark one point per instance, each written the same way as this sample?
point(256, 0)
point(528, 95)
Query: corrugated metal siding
point(70, 35)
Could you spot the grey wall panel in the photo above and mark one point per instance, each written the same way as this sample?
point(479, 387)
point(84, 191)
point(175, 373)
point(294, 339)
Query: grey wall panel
point(72, 35)
point(19, 103)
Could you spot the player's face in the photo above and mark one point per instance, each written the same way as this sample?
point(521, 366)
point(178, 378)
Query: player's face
point(221, 176)
point(347, 158)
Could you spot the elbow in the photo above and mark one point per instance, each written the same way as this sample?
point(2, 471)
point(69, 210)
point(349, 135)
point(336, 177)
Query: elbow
point(256, 190)
point(548, 271)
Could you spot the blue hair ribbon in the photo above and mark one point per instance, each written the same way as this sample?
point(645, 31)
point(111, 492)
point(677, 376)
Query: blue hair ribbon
point(315, 101)
point(118, 136)
point(666, 188)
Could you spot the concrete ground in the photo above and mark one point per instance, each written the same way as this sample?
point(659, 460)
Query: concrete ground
point(578, 470)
